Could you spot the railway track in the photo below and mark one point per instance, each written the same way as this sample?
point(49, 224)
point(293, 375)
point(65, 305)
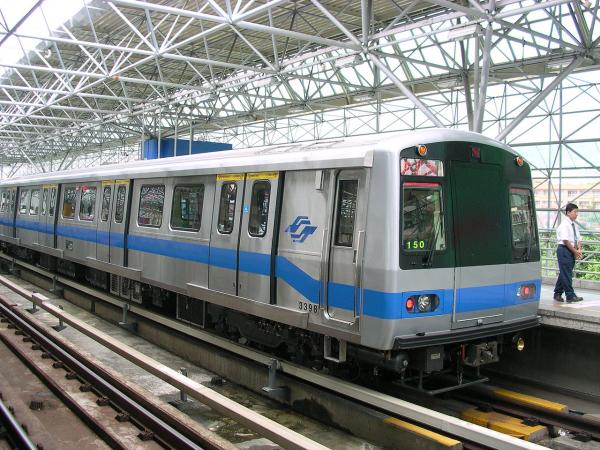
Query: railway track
point(117, 414)
point(465, 434)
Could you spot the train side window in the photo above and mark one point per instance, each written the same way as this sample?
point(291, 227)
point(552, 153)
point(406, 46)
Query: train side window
point(34, 205)
point(522, 219)
point(106, 194)
point(152, 199)
point(259, 208)
point(120, 204)
point(227, 208)
point(24, 201)
point(44, 202)
point(186, 213)
point(52, 201)
point(69, 200)
point(4, 201)
point(87, 205)
point(13, 201)
point(346, 212)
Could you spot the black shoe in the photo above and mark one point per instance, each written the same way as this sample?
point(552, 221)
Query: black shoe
point(558, 298)
point(574, 299)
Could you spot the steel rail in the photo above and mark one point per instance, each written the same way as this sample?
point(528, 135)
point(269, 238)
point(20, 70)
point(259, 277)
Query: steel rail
point(268, 428)
point(73, 405)
point(138, 413)
point(443, 423)
point(15, 432)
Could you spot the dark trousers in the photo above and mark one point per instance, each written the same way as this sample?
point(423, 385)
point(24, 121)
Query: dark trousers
point(566, 263)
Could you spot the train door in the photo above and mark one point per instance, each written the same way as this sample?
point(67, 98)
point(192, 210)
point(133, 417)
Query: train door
point(104, 224)
point(344, 290)
point(480, 244)
point(13, 212)
point(224, 237)
point(5, 211)
point(118, 225)
point(256, 236)
point(47, 217)
point(42, 216)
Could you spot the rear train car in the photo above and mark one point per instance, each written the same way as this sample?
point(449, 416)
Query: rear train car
point(417, 252)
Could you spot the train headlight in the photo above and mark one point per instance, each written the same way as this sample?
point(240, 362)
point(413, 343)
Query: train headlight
point(518, 342)
point(424, 303)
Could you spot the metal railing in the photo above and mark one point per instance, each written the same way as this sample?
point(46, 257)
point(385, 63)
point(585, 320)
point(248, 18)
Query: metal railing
point(587, 268)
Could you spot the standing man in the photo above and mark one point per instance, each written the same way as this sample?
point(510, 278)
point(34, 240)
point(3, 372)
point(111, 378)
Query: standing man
point(569, 249)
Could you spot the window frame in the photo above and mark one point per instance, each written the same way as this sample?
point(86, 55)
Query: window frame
point(45, 193)
point(442, 237)
point(26, 204)
point(223, 187)
point(4, 201)
point(514, 189)
point(38, 190)
point(116, 209)
point(252, 204)
point(338, 200)
point(202, 188)
point(162, 208)
point(104, 188)
point(52, 203)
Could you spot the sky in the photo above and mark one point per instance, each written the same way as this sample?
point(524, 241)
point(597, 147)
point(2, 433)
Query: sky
point(49, 16)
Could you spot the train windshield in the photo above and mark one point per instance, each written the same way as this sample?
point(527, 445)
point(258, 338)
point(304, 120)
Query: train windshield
point(521, 215)
point(422, 217)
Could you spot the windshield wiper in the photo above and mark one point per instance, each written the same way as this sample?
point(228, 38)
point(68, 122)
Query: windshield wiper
point(527, 253)
point(428, 261)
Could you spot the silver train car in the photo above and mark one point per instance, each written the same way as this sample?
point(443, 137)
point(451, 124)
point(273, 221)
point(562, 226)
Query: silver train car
point(413, 252)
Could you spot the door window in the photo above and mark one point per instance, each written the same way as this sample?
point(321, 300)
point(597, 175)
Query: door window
point(34, 206)
point(346, 212)
point(106, 194)
point(259, 208)
point(227, 208)
point(44, 201)
point(24, 201)
point(52, 201)
point(120, 204)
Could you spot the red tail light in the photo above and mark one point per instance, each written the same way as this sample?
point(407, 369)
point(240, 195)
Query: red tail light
point(410, 304)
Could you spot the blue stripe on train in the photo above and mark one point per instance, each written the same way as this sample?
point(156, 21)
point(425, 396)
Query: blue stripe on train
point(383, 305)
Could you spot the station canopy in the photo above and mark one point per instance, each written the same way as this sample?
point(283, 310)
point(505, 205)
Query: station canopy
point(85, 82)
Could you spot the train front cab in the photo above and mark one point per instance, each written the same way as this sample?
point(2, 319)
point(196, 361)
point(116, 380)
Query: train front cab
point(468, 218)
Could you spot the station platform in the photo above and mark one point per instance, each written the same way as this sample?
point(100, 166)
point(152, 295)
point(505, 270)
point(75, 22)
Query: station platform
point(582, 316)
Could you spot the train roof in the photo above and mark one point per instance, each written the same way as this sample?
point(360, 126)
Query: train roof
point(333, 153)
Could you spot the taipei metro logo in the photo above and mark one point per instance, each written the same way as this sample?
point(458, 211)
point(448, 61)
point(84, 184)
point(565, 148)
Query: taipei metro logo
point(300, 229)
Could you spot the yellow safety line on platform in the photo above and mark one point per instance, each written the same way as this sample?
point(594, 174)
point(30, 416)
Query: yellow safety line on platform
point(530, 400)
point(432, 435)
point(513, 426)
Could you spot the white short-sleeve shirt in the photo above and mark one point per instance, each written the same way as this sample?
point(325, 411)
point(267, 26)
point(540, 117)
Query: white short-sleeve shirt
point(564, 232)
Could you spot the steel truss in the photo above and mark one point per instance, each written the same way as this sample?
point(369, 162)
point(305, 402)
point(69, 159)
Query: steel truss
point(255, 73)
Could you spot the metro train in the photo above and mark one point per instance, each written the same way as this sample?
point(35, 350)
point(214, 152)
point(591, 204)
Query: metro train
point(414, 252)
